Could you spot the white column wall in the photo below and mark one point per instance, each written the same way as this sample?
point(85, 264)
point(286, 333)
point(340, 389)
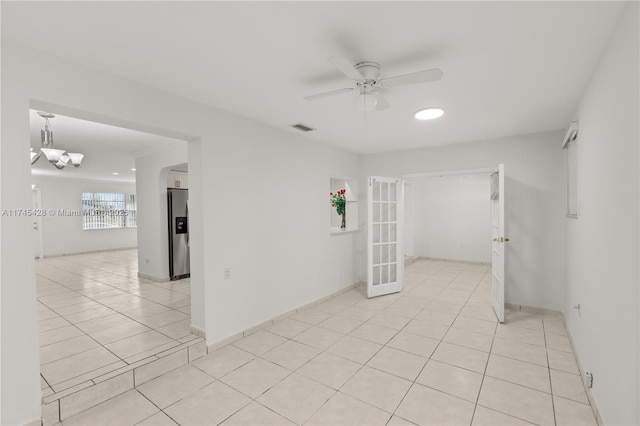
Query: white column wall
point(20, 387)
point(151, 187)
point(602, 251)
point(534, 206)
point(260, 196)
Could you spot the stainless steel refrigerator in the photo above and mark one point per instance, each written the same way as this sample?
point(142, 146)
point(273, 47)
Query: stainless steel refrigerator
point(178, 233)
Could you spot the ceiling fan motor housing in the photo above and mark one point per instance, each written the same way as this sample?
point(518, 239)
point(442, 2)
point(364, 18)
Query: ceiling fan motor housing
point(369, 70)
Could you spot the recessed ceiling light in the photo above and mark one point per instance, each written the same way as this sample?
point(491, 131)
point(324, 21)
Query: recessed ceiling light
point(133, 170)
point(429, 113)
point(115, 173)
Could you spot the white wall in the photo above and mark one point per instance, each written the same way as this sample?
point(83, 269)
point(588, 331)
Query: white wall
point(602, 244)
point(265, 206)
point(64, 234)
point(258, 196)
point(409, 220)
point(151, 185)
point(534, 206)
point(452, 217)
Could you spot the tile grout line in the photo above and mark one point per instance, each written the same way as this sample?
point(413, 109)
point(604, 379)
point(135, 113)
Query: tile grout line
point(484, 374)
point(423, 367)
point(553, 403)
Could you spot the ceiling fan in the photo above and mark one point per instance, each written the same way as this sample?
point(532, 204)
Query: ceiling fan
point(366, 75)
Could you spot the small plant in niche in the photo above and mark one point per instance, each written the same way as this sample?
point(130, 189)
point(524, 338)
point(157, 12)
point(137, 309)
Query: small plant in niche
point(339, 201)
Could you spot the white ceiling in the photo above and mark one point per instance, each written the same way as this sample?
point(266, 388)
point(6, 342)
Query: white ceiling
point(107, 149)
point(509, 67)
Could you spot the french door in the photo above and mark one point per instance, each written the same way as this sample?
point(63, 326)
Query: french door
point(497, 245)
point(385, 266)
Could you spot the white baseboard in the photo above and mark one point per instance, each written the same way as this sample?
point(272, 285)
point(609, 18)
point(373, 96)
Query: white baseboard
point(49, 256)
point(471, 262)
point(592, 399)
point(532, 309)
point(237, 336)
point(154, 278)
point(197, 331)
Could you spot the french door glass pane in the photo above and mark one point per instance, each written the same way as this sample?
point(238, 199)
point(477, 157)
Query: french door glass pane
point(376, 255)
point(385, 253)
point(392, 212)
point(376, 233)
point(376, 191)
point(384, 271)
point(376, 275)
point(385, 233)
point(385, 192)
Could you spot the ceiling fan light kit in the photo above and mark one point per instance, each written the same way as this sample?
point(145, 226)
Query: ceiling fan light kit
point(369, 84)
point(428, 113)
point(58, 157)
point(366, 102)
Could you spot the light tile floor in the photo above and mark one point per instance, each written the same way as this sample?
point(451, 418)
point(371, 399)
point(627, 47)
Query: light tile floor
point(96, 316)
point(430, 355)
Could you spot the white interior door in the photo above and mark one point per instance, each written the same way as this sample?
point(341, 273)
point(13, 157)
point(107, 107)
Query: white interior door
point(497, 234)
point(36, 201)
point(385, 266)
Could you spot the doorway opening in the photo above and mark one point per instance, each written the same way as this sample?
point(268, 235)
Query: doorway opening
point(455, 215)
point(97, 313)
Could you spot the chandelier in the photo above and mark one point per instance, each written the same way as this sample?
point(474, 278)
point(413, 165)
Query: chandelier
point(58, 157)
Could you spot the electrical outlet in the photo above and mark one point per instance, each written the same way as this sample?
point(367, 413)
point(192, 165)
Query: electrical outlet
point(588, 378)
point(578, 308)
point(227, 273)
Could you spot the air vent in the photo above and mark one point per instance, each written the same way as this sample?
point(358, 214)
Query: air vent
point(302, 127)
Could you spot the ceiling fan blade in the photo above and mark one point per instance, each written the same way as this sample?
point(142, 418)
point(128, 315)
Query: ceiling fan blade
point(345, 67)
point(325, 94)
point(381, 103)
point(412, 78)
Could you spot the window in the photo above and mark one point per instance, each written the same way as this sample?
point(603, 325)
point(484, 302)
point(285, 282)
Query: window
point(102, 210)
